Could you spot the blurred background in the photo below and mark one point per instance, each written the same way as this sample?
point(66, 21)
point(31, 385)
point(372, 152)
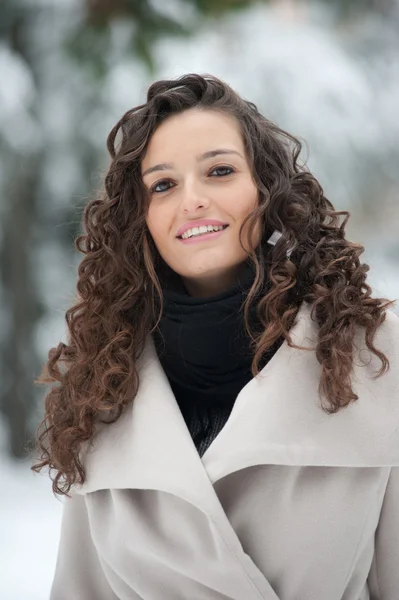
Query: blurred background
point(326, 71)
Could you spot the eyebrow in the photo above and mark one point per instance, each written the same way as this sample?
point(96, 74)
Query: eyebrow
point(201, 157)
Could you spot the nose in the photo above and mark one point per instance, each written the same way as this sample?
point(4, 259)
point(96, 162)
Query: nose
point(194, 198)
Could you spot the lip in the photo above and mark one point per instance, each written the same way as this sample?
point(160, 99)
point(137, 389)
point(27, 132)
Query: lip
point(196, 239)
point(198, 223)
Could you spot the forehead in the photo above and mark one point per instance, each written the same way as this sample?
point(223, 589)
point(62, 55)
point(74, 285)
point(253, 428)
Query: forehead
point(192, 132)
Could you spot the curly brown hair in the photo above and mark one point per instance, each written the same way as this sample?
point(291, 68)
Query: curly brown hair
point(95, 376)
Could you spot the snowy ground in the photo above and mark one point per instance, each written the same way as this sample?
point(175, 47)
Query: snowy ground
point(30, 519)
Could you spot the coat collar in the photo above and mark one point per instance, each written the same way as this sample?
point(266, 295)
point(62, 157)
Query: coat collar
point(277, 419)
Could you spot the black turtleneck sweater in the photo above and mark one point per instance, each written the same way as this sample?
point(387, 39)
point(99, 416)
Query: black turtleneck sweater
point(205, 352)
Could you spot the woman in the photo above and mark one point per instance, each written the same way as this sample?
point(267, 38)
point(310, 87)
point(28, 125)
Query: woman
point(225, 414)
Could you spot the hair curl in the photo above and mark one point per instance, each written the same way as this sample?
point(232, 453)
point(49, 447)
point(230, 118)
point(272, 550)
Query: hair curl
point(119, 295)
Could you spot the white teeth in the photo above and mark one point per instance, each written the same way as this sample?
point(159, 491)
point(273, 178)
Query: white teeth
point(200, 230)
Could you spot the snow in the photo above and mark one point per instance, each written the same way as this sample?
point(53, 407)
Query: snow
point(30, 518)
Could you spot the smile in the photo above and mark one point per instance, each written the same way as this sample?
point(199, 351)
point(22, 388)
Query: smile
point(202, 234)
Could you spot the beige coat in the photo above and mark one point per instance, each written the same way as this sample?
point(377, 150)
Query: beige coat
point(288, 502)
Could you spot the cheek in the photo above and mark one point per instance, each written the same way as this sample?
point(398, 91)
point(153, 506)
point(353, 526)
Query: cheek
point(157, 222)
point(246, 201)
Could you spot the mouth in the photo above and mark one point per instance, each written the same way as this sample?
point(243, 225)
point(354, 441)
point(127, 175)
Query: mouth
point(202, 237)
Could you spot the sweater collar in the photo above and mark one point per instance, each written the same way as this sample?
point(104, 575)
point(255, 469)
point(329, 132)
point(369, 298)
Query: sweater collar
point(202, 342)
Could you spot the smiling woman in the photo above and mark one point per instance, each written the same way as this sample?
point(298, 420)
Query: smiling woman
point(225, 414)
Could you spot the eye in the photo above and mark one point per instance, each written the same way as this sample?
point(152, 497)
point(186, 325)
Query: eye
point(154, 189)
point(222, 171)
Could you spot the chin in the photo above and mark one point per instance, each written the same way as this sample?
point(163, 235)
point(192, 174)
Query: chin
point(205, 271)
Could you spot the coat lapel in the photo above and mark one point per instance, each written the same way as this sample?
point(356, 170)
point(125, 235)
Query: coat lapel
point(277, 417)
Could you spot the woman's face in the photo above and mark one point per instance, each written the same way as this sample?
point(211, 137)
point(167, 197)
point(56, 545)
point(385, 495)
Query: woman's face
point(199, 178)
